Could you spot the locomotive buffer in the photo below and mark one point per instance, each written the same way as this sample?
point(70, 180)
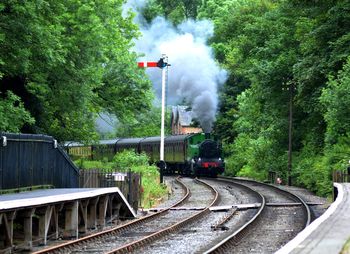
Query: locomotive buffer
point(163, 64)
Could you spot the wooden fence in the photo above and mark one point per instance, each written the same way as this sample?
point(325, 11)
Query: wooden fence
point(129, 183)
point(341, 176)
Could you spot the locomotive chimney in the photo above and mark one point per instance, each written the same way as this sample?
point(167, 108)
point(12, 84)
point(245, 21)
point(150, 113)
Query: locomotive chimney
point(207, 135)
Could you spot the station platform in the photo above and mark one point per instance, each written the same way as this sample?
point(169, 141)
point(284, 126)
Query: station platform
point(62, 213)
point(328, 233)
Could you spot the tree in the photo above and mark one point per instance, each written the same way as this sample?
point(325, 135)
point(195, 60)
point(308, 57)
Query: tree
point(175, 11)
point(146, 124)
point(12, 113)
point(269, 47)
point(68, 61)
point(152, 10)
point(335, 97)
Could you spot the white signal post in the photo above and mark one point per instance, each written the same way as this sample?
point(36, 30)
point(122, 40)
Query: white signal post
point(164, 74)
point(163, 64)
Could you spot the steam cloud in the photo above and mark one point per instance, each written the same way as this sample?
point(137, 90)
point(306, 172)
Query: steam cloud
point(194, 76)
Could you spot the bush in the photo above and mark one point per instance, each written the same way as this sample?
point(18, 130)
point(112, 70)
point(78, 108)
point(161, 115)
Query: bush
point(314, 171)
point(87, 164)
point(255, 157)
point(139, 163)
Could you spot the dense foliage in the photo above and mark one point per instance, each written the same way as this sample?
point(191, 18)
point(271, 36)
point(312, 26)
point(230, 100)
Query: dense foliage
point(277, 52)
point(174, 11)
point(62, 62)
point(270, 47)
point(13, 114)
point(147, 124)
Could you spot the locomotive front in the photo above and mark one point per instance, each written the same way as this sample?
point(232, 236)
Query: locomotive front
point(209, 161)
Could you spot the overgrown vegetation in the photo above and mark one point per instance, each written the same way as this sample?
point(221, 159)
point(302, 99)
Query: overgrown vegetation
point(95, 164)
point(275, 46)
point(270, 48)
point(152, 190)
point(139, 163)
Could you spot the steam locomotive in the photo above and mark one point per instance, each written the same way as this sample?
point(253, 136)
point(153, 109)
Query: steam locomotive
point(190, 154)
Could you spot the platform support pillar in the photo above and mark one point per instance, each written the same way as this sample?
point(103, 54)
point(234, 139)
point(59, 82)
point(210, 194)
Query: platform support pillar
point(6, 237)
point(83, 206)
point(71, 222)
point(56, 210)
point(28, 227)
point(45, 216)
point(102, 211)
point(92, 213)
point(115, 209)
point(10, 218)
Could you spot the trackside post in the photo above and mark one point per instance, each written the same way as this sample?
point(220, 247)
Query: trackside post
point(163, 64)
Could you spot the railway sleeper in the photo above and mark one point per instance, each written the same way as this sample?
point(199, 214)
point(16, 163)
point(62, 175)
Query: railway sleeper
point(220, 224)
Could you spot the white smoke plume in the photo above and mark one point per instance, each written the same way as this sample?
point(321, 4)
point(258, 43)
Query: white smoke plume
point(193, 76)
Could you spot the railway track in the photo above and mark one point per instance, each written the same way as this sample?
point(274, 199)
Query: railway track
point(244, 211)
point(281, 217)
point(248, 217)
point(138, 233)
point(216, 225)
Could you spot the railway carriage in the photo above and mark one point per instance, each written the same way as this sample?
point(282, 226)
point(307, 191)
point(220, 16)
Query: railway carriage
point(151, 146)
point(78, 150)
point(105, 149)
point(186, 154)
point(182, 149)
point(128, 144)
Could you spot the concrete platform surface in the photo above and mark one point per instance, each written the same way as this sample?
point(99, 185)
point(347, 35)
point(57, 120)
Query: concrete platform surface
point(328, 233)
point(50, 196)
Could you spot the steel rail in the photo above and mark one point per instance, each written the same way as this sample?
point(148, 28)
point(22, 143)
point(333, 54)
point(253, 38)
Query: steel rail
point(148, 239)
point(118, 229)
point(239, 234)
point(236, 236)
point(288, 193)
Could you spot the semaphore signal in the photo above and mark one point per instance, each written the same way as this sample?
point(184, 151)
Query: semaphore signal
point(146, 64)
point(162, 63)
